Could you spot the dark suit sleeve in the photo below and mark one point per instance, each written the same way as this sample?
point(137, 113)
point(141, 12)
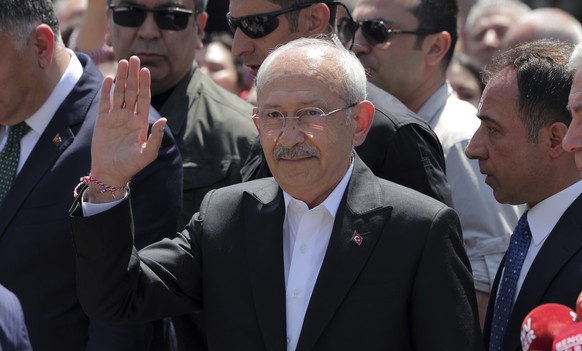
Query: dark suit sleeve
point(444, 307)
point(116, 283)
point(157, 202)
point(157, 195)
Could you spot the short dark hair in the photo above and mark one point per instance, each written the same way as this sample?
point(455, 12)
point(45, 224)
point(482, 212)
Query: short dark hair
point(19, 17)
point(293, 17)
point(543, 82)
point(438, 15)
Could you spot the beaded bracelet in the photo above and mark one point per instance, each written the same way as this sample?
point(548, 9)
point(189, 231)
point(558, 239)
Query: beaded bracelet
point(104, 187)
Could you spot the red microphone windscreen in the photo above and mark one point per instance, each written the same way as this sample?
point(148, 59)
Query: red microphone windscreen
point(569, 338)
point(541, 325)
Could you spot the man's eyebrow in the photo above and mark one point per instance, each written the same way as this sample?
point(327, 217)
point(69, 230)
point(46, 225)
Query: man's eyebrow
point(485, 118)
point(489, 120)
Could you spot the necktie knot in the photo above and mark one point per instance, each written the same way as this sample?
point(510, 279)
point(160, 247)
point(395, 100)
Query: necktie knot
point(16, 132)
point(514, 258)
point(10, 156)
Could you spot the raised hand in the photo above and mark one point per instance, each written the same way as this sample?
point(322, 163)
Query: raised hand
point(121, 146)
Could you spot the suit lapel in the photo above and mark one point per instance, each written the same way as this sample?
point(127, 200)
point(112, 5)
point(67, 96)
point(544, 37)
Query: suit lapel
point(264, 215)
point(562, 243)
point(361, 214)
point(58, 135)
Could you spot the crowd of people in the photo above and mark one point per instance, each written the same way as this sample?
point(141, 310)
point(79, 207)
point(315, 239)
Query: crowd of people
point(287, 174)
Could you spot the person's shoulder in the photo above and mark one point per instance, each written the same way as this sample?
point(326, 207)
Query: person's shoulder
point(228, 200)
point(391, 112)
point(457, 122)
point(409, 200)
point(221, 97)
point(263, 189)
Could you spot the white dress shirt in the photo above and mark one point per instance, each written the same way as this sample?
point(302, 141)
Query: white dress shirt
point(42, 117)
point(306, 234)
point(542, 218)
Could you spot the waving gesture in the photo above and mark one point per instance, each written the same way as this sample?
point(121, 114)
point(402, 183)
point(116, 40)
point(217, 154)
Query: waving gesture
point(121, 145)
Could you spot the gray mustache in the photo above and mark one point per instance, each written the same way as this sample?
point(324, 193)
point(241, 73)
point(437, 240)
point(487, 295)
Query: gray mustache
point(297, 151)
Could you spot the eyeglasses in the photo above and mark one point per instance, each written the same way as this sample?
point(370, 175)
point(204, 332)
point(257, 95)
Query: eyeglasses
point(259, 25)
point(308, 118)
point(375, 31)
point(167, 18)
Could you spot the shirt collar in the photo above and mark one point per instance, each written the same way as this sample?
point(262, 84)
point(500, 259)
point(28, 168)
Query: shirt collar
point(542, 218)
point(42, 117)
point(333, 200)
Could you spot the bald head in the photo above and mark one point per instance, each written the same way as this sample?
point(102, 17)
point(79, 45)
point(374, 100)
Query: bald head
point(544, 23)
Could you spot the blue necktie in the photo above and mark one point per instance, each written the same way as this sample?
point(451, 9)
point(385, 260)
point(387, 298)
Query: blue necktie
point(9, 157)
point(514, 258)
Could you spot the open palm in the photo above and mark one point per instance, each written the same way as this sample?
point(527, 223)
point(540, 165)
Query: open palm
point(121, 146)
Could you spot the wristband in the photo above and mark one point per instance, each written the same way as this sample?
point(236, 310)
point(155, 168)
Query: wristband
point(104, 187)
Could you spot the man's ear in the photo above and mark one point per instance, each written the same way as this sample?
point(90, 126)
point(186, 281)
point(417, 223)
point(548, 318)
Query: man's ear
point(436, 45)
point(43, 41)
point(200, 24)
point(556, 133)
point(315, 19)
point(363, 116)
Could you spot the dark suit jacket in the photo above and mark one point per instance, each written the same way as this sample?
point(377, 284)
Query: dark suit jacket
point(400, 147)
point(407, 287)
point(13, 333)
point(555, 276)
point(36, 255)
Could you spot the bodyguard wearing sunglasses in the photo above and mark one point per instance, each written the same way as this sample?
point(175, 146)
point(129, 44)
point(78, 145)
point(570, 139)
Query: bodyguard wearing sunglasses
point(406, 46)
point(400, 147)
point(212, 127)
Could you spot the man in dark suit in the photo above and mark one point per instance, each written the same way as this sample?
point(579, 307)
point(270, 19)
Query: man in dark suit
point(519, 149)
point(325, 256)
point(13, 332)
point(55, 93)
point(400, 146)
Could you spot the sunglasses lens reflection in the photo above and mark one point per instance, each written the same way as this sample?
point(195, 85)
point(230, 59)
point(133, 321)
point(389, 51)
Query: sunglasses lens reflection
point(166, 19)
point(254, 26)
point(375, 32)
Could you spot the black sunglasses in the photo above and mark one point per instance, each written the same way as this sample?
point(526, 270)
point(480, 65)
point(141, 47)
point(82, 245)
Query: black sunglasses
point(259, 25)
point(375, 31)
point(167, 18)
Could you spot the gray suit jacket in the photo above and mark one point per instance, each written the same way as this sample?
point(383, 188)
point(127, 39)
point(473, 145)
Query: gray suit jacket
point(408, 286)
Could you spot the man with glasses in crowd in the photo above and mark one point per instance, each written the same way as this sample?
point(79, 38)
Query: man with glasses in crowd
point(212, 127)
point(324, 256)
point(400, 147)
point(406, 47)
